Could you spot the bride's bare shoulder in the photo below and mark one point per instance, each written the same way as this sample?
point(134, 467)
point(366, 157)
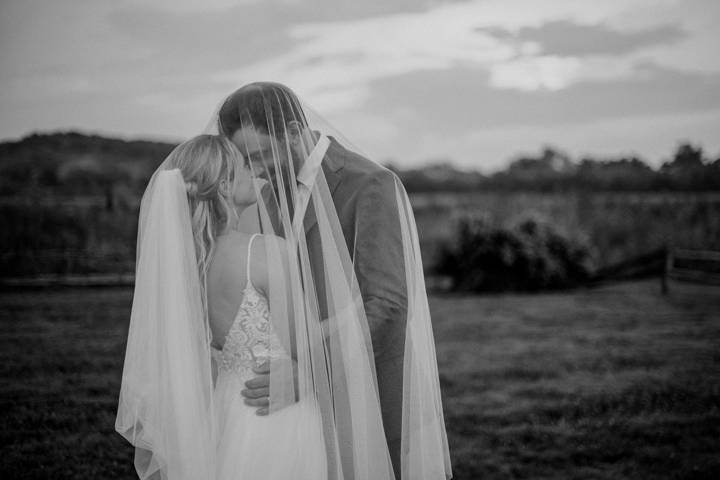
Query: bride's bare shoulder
point(229, 265)
point(268, 251)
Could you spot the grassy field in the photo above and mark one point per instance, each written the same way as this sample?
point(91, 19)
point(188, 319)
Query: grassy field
point(610, 383)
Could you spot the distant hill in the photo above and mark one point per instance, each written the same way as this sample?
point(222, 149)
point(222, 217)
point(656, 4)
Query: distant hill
point(73, 164)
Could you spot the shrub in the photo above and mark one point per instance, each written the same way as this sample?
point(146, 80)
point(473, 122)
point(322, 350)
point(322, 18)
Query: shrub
point(527, 255)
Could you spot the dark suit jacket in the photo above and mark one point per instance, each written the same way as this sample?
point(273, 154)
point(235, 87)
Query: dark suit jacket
point(365, 200)
point(364, 197)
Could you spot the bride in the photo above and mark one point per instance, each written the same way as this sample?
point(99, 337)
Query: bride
point(218, 184)
point(252, 351)
point(220, 187)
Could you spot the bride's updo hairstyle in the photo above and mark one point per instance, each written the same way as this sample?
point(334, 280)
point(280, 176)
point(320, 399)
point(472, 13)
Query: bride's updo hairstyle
point(204, 161)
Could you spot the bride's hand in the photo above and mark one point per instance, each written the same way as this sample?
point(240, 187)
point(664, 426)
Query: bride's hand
point(257, 389)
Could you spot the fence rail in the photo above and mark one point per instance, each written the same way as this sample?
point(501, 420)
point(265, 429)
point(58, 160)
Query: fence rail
point(697, 266)
point(685, 265)
point(667, 263)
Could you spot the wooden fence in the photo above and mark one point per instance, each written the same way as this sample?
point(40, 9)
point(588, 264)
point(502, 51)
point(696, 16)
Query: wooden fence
point(697, 266)
point(667, 263)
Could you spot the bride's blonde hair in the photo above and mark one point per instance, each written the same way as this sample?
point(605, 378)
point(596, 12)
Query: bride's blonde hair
point(204, 161)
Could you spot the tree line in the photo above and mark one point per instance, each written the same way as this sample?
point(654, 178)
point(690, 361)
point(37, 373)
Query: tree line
point(688, 169)
point(74, 165)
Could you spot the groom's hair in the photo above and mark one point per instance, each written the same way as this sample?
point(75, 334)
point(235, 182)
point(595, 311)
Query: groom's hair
point(267, 106)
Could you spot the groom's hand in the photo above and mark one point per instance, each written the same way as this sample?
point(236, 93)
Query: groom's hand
point(257, 393)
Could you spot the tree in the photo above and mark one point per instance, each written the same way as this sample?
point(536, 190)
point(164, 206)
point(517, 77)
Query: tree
point(686, 170)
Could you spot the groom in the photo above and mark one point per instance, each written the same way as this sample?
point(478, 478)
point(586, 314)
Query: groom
point(364, 197)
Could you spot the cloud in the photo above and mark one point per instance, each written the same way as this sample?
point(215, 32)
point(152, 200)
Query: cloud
point(552, 72)
point(331, 60)
point(566, 38)
point(398, 76)
point(189, 6)
point(651, 137)
point(455, 113)
point(464, 99)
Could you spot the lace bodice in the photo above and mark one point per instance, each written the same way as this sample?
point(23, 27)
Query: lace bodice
point(251, 338)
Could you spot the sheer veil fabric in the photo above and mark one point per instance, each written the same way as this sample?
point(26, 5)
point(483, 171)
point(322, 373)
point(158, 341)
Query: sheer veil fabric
point(346, 295)
point(165, 407)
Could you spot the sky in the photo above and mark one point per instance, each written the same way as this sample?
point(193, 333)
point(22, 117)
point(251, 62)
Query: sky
point(475, 82)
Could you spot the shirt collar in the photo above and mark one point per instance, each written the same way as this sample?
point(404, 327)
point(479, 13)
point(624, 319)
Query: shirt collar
point(309, 170)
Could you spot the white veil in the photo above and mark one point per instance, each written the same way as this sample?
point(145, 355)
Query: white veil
point(347, 300)
point(355, 255)
point(165, 408)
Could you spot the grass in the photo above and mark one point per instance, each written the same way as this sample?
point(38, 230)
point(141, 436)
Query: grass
point(610, 383)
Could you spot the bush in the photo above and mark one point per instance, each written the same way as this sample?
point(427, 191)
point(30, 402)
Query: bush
point(528, 255)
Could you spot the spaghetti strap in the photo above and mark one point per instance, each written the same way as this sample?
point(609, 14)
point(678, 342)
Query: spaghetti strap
point(249, 282)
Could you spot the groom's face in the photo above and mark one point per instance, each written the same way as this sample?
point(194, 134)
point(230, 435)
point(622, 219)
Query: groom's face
point(256, 146)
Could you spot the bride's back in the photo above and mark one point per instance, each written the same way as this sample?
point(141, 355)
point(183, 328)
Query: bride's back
point(227, 279)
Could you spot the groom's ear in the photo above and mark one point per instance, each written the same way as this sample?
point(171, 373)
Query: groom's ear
point(294, 130)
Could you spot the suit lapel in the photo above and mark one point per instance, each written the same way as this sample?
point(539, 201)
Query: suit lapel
point(332, 163)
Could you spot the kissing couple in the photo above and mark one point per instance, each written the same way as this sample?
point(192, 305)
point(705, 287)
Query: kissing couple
point(280, 326)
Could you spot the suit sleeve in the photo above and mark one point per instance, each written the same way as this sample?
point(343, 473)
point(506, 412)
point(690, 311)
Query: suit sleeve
point(379, 264)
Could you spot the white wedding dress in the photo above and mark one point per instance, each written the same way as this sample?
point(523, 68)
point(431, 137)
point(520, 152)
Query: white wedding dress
point(286, 444)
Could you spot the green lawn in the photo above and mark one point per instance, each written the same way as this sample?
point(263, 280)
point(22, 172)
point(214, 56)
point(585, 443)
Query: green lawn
point(615, 382)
